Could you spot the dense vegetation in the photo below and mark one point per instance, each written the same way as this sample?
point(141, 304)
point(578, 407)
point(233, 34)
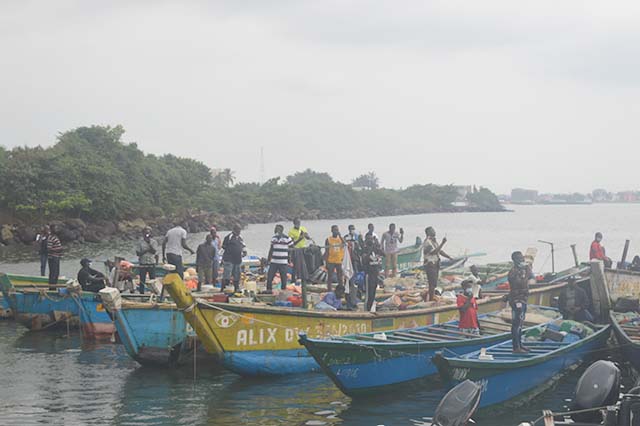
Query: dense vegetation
point(91, 174)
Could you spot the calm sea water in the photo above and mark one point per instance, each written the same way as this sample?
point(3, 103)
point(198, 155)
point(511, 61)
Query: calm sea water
point(54, 378)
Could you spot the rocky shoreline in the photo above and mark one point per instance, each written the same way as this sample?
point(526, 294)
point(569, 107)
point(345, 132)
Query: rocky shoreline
point(76, 230)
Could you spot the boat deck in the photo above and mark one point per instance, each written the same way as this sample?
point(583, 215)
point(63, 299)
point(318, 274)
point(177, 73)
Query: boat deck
point(504, 351)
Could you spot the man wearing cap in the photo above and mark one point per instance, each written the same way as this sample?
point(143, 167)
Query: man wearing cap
point(90, 279)
point(574, 302)
point(147, 251)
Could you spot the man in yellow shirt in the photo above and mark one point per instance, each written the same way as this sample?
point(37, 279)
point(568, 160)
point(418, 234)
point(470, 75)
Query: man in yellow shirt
point(333, 256)
point(299, 235)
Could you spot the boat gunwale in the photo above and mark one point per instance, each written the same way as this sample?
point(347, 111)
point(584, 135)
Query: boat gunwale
point(241, 308)
point(422, 344)
point(618, 330)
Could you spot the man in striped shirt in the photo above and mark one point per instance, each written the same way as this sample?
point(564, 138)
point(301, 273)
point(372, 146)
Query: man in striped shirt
point(279, 257)
point(54, 253)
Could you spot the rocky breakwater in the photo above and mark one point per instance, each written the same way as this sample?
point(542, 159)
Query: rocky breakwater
point(78, 231)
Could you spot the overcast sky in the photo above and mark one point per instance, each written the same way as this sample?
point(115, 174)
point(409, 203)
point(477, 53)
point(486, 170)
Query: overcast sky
point(540, 94)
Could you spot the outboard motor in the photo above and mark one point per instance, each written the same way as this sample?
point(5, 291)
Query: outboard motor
point(458, 405)
point(630, 408)
point(599, 386)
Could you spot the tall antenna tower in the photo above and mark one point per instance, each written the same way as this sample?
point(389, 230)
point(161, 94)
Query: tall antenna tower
point(262, 172)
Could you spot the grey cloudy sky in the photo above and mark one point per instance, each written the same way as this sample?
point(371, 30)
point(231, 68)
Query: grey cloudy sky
point(539, 94)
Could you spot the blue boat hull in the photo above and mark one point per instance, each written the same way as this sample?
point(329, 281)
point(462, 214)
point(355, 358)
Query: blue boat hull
point(95, 321)
point(40, 311)
point(511, 383)
point(367, 377)
point(270, 363)
point(156, 337)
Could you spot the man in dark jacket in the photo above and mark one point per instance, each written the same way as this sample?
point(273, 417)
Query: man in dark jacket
point(519, 277)
point(574, 302)
point(234, 250)
point(90, 279)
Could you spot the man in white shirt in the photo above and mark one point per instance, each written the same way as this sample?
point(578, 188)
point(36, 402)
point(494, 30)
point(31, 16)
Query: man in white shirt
point(390, 241)
point(174, 241)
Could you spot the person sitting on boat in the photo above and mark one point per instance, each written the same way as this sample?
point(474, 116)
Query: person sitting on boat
point(333, 256)
point(432, 251)
point(90, 279)
point(598, 252)
point(468, 307)
point(519, 277)
point(120, 276)
point(574, 302)
point(334, 298)
point(635, 264)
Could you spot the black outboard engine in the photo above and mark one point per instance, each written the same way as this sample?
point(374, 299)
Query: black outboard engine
point(458, 405)
point(630, 408)
point(599, 386)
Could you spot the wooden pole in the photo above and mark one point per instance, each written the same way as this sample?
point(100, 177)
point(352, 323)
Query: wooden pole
point(575, 255)
point(625, 252)
point(599, 290)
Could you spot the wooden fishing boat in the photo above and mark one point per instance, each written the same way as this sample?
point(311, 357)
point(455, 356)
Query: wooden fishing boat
point(254, 339)
point(364, 363)
point(20, 281)
point(505, 375)
point(155, 334)
point(626, 327)
point(39, 308)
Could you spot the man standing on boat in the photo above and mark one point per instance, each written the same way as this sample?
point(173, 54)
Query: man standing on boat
point(41, 240)
point(333, 255)
point(519, 277)
point(390, 241)
point(54, 254)
point(299, 235)
point(234, 250)
point(372, 261)
point(574, 302)
point(174, 241)
point(278, 258)
point(468, 307)
point(216, 242)
point(432, 251)
point(597, 251)
point(205, 255)
point(371, 231)
point(147, 251)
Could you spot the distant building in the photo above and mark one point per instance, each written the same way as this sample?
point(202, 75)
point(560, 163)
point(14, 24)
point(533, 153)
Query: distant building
point(524, 196)
point(601, 196)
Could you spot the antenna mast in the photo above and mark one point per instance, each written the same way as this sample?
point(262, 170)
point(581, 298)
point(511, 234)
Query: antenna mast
point(262, 172)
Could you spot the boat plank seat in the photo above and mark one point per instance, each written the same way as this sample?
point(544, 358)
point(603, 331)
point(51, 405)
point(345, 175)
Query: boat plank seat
point(438, 336)
point(461, 333)
point(493, 327)
point(499, 323)
point(420, 336)
point(402, 338)
point(373, 339)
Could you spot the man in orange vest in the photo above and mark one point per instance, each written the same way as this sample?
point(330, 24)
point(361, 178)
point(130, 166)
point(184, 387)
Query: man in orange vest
point(333, 256)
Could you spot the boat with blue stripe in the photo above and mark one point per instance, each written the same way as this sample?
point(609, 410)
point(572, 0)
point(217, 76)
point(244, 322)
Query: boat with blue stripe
point(505, 375)
point(360, 364)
